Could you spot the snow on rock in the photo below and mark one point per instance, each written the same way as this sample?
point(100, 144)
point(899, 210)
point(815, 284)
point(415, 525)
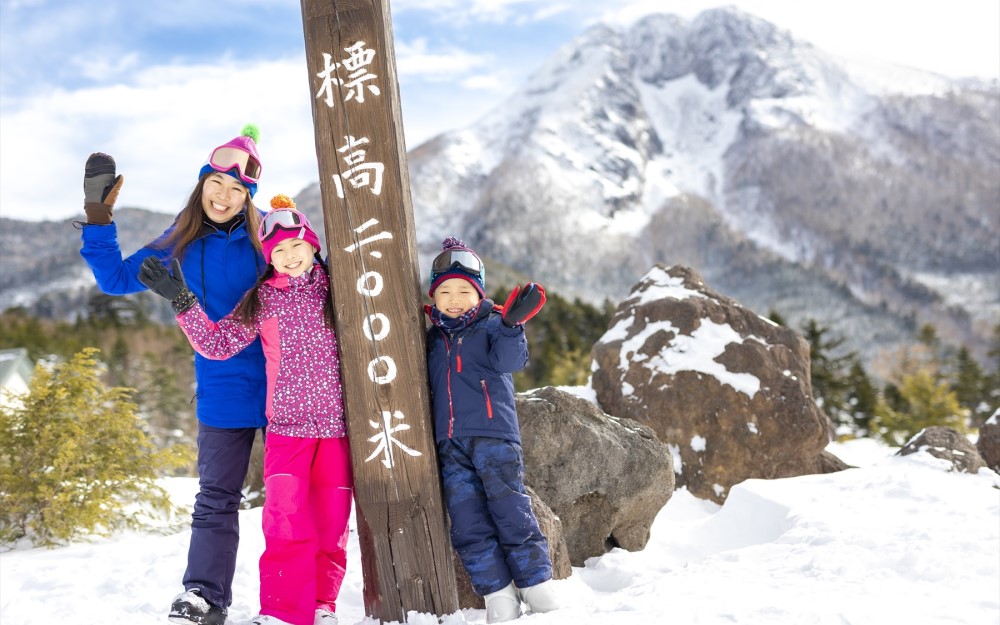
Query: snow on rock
point(725, 388)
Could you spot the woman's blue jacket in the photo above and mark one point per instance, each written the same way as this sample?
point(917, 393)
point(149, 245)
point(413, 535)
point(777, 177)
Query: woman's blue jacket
point(219, 268)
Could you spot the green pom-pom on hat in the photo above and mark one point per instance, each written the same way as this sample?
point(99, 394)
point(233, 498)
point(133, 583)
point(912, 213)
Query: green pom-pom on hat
point(252, 131)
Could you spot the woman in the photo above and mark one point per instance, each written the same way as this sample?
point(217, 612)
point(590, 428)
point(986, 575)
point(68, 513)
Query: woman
point(214, 230)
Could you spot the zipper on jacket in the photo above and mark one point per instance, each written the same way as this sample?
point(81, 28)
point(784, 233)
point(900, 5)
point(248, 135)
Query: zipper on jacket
point(451, 407)
point(458, 355)
point(489, 404)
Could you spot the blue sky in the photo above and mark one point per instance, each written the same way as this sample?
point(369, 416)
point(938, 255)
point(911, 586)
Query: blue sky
point(158, 84)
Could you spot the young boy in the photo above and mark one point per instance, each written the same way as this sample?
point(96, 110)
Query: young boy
point(473, 347)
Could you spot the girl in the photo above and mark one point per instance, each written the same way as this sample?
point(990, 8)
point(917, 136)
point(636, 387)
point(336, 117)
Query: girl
point(213, 230)
point(307, 471)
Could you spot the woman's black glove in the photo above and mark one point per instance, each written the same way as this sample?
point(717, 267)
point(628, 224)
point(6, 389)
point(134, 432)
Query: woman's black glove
point(523, 304)
point(100, 188)
point(153, 274)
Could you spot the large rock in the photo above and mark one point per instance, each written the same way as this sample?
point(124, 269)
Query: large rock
point(988, 444)
point(728, 390)
point(605, 478)
point(551, 526)
point(947, 444)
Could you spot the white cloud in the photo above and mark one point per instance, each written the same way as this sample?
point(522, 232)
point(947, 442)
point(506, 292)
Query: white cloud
point(161, 128)
point(486, 82)
point(415, 60)
point(470, 10)
point(101, 67)
point(160, 131)
point(547, 12)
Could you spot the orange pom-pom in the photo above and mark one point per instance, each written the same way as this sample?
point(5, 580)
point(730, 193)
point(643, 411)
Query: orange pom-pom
point(282, 201)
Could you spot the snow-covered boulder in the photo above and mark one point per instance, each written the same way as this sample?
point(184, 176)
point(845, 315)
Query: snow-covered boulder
point(728, 390)
point(947, 444)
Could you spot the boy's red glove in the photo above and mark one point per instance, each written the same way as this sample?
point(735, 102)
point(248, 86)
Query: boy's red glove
point(523, 304)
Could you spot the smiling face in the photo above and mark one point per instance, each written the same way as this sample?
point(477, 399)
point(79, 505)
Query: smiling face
point(455, 296)
point(292, 257)
point(222, 197)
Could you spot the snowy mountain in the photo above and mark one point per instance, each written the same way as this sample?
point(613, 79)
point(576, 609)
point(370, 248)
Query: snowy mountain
point(52, 280)
point(863, 196)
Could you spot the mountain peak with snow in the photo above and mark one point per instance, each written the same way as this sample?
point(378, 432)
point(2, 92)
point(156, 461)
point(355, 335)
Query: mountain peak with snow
point(631, 145)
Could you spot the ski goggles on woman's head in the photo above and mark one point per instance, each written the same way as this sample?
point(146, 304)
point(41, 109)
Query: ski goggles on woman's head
point(227, 157)
point(283, 218)
point(463, 259)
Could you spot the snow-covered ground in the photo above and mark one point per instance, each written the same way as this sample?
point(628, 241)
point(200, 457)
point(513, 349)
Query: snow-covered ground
point(896, 540)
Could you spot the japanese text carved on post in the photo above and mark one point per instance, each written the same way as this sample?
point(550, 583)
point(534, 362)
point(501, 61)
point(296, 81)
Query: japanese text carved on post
point(406, 554)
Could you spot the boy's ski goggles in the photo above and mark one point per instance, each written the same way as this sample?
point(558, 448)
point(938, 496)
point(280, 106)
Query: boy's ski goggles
point(228, 157)
point(283, 218)
point(463, 259)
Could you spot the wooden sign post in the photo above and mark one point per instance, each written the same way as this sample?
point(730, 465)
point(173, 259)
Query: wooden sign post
point(405, 551)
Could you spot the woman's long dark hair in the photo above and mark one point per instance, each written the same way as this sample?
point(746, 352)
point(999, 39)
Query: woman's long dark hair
point(249, 307)
point(188, 223)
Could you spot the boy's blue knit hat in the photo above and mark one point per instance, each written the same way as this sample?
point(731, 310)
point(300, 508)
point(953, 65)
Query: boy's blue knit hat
point(448, 269)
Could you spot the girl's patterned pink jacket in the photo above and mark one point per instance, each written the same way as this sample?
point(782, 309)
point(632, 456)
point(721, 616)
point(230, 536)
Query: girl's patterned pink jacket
point(304, 394)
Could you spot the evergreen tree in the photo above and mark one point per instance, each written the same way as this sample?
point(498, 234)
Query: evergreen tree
point(20, 329)
point(927, 335)
point(102, 309)
point(829, 372)
point(971, 387)
point(935, 355)
point(994, 352)
point(571, 368)
point(862, 397)
point(119, 363)
point(922, 402)
point(892, 397)
point(74, 458)
point(992, 379)
point(166, 408)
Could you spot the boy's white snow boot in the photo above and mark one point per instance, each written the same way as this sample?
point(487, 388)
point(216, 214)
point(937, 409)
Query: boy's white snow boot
point(190, 608)
point(324, 617)
point(503, 605)
point(540, 597)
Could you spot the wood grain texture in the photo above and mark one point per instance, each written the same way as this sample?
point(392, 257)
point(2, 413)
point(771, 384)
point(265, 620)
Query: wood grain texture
point(368, 218)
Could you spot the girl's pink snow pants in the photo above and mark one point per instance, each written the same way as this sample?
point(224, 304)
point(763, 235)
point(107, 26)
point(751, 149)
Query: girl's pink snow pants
point(307, 502)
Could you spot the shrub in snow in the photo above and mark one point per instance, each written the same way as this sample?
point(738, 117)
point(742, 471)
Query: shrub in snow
point(74, 458)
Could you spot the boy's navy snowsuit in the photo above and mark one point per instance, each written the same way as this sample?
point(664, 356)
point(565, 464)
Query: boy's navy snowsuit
point(478, 439)
point(219, 267)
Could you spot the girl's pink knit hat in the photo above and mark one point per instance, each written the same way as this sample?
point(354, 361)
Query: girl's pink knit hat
point(284, 222)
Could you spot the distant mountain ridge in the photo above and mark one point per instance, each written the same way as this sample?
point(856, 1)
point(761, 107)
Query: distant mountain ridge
point(51, 279)
point(791, 180)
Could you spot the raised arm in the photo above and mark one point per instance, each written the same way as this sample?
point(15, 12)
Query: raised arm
point(508, 346)
point(114, 275)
